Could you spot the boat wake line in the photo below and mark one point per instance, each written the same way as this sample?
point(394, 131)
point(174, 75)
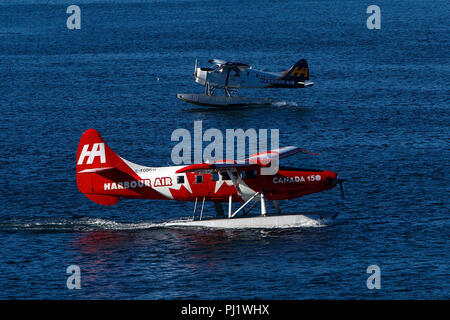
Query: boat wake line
point(284, 104)
point(97, 224)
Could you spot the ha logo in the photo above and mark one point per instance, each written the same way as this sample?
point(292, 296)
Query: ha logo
point(98, 150)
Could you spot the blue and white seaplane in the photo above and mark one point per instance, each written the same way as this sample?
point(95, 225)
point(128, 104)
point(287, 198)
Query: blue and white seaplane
point(231, 76)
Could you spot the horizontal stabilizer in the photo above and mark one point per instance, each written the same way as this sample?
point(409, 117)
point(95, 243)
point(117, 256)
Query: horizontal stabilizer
point(96, 170)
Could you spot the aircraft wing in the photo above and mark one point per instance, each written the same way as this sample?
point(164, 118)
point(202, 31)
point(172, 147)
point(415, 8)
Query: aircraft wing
point(218, 62)
point(217, 166)
point(229, 64)
point(264, 158)
point(261, 159)
point(238, 65)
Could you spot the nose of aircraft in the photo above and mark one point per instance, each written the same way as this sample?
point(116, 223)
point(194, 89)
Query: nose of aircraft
point(330, 176)
point(333, 179)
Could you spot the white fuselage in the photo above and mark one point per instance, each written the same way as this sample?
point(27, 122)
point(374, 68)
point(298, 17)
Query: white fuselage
point(245, 78)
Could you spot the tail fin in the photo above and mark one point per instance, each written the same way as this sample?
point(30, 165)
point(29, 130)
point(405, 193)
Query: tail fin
point(96, 165)
point(298, 72)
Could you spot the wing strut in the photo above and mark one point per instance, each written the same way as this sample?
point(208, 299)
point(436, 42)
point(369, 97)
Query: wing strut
point(263, 205)
point(201, 210)
point(195, 208)
point(203, 204)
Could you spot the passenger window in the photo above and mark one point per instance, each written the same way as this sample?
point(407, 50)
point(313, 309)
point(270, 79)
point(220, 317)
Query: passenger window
point(199, 179)
point(180, 179)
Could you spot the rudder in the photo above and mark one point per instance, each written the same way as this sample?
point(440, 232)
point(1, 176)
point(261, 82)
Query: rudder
point(298, 72)
point(94, 157)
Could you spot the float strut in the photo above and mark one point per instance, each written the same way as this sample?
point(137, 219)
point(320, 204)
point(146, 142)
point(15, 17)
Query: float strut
point(195, 209)
point(201, 212)
point(263, 205)
point(241, 207)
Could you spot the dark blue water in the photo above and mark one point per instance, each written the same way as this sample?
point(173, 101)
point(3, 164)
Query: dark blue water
point(378, 113)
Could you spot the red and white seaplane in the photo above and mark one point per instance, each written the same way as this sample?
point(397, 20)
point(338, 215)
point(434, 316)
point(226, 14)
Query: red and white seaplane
point(104, 177)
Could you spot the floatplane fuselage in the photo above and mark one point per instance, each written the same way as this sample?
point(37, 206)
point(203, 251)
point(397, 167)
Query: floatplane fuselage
point(238, 75)
point(231, 76)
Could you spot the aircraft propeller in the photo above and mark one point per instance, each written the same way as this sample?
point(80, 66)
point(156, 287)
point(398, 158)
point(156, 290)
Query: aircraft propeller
point(195, 69)
point(340, 183)
point(341, 187)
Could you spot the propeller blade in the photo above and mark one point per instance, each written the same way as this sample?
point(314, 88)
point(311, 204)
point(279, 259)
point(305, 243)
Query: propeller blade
point(195, 68)
point(342, 189)
point(335, 182)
